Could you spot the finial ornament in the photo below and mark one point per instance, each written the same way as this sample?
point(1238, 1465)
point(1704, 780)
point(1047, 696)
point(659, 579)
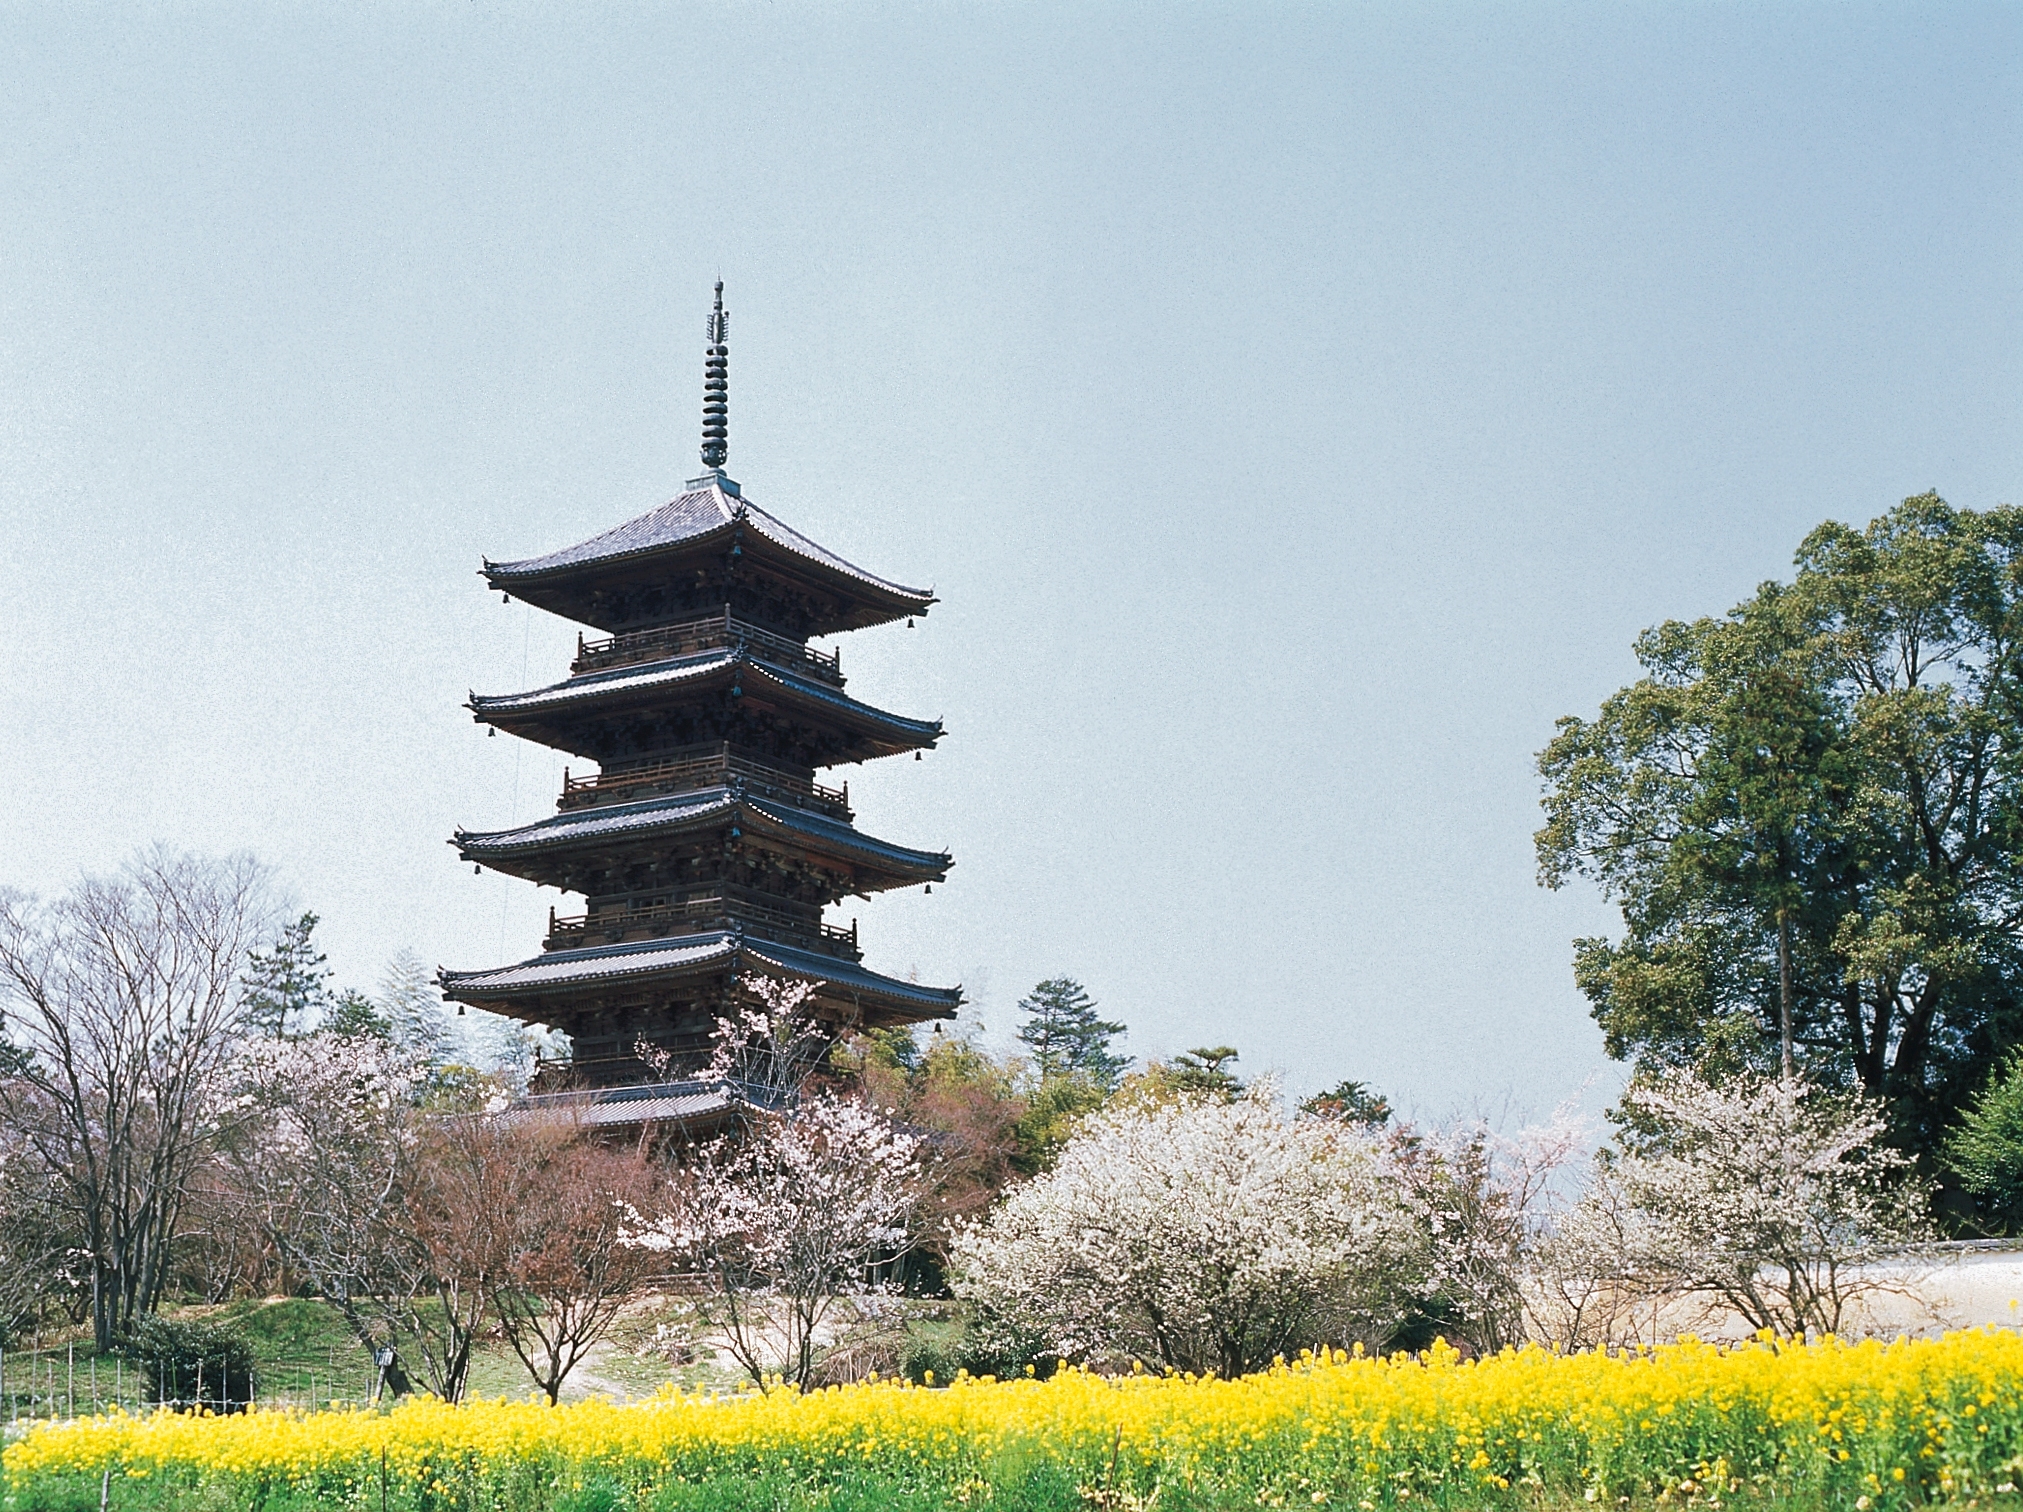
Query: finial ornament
point(716, 387)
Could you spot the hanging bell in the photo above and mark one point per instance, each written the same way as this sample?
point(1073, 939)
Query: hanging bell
point(916, 755)
point(929, 888)
point(507, 598)
point(477, 871)
point(909, 624)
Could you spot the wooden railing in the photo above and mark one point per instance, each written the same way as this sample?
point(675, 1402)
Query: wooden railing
point(703, 635)
point(690, 916)
point(698, 916)
point(692, 772)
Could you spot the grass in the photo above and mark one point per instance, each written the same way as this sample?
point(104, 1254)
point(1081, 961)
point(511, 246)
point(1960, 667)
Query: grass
point(1038, 1487)
point(305, 1352)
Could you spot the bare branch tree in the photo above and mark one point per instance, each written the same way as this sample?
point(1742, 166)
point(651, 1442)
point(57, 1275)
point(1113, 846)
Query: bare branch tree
point(122, 1006)
point(35, 1236)
point(565, 1274)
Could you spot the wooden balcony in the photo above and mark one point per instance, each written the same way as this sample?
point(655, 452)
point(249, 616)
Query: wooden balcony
point(706, 635)
point(689, 773)
point(700, 916)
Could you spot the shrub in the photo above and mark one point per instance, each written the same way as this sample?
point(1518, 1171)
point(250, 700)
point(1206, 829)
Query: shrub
point(193, 1364)
point(1987, 1149)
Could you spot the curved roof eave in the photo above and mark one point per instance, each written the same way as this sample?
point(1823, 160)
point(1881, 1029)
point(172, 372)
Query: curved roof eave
point(657, 816)
point(562, 968)
point(649, 958)
point(693, 518)
point(849, 975)
point(622, 680)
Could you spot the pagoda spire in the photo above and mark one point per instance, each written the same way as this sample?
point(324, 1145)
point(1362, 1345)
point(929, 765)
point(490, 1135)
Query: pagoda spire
point(716, 387)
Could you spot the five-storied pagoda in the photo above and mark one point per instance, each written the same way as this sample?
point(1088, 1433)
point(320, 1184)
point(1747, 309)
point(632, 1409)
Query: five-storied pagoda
point(703, 845)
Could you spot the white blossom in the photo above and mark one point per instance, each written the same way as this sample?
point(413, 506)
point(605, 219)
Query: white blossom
point(1769, 1196)
point(1205, 1235)
point(787, 1217)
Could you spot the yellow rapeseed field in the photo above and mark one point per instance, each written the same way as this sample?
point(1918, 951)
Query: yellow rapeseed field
point(1857, 1425)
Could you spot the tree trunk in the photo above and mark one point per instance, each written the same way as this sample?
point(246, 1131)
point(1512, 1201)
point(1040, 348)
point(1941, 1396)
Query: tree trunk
point(1784, 993)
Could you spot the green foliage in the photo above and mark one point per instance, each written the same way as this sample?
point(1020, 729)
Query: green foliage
point(192, 1363)
point(1205, 1071)
point(1066, 1037)
point(598, 1494)
point(287, 985)
point(1986, 1150)
point(897, 1049)
point(1813, 806)
point(1350, 1102)
point(1048, 1120)
point(354, 1015)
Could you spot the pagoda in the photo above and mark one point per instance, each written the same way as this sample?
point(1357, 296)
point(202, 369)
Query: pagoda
point(704, 846)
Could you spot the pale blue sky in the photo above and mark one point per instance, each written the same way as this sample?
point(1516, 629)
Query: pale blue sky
point(1297, 408)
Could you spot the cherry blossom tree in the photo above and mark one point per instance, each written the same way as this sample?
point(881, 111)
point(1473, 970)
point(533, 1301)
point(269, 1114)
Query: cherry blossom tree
point(1205, 1234)
point(802, 1206)
point(788, 1219)
point(399, 1215)
point(1766, 1195)
point(1487, 1201)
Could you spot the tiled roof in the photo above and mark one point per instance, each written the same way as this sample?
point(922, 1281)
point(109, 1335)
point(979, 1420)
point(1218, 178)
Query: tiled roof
point(591, 684)
point(596, 824)
point(848, 974)
point(648, 1103)
point(564, 968)
point(820, 827)
point(680, 669)
point(638, 1110)
point(685, 809)
point(691, 516)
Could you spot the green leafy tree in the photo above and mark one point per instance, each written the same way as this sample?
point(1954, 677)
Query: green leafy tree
point(1986, 1150)
point(287, 985)
point(1065, 1036)
point(1052, 1112)
point(1809, 812)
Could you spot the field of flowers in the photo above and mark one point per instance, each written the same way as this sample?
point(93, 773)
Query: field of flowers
point(1802, 1425)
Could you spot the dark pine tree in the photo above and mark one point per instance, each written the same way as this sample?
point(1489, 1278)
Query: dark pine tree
point(1066, 1037)
point(1350, 1102)
point(288, 985)
point(1204, 1071)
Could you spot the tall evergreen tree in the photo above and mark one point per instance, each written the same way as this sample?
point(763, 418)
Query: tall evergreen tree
point(287, 985)
point(413, 1010)
point(1810, 811)
point(1066, 1037)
